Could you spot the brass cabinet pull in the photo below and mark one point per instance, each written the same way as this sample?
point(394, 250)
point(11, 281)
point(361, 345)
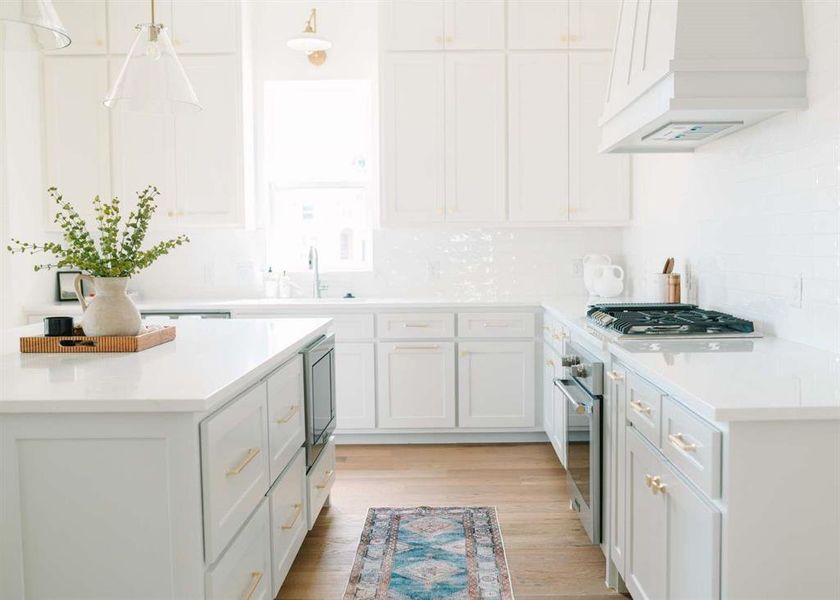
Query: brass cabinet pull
point(256, 577)
point(559, 336)
point(448, 39)
point(293, 410)
point(430, 347)
point(678, 440)
point(252, 454)
point(615, 375)
point(549, 363)
point(327, 476)
point(654, 482)
point(640, 408)
point(438, 39)
point(415, 325)
point(295, 516)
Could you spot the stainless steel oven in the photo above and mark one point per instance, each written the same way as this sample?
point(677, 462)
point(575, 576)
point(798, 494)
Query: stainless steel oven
point(319, 394)
point(583, 386)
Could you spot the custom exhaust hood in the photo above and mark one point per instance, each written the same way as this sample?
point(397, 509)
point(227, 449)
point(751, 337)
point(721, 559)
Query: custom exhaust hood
point(686, 72)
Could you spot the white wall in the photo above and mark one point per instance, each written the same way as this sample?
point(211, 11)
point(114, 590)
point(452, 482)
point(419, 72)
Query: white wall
point(750, 213)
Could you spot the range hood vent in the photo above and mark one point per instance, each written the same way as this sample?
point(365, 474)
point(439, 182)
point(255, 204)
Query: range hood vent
point(686, 72)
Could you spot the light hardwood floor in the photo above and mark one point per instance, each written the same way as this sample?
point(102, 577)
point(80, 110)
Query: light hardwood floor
point(548, 553)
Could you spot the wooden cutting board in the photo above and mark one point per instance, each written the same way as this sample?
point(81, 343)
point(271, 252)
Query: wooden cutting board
point(152, 336)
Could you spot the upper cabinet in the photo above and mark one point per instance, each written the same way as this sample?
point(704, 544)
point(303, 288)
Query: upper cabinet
point(195, 160)
point(562, 24)
point(486, 130)
point(86, 20)
point(686, 72)
point(443, 24)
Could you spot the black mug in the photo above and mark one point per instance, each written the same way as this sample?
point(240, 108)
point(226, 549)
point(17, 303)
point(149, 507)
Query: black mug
point(58, 326)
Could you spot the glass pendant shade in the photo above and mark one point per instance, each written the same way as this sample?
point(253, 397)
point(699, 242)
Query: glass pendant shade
point(309, 42)
point(152, 79)
point(41, 19)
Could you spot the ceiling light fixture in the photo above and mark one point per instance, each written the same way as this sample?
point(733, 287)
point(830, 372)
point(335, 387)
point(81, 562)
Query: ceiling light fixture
point(310, 42)
point(152, 79)
point(40, 16)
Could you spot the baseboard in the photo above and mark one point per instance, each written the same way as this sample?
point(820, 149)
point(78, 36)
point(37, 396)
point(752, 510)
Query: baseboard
point(441, 438)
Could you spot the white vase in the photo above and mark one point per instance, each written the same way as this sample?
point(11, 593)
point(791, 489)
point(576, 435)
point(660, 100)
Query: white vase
point(111, 311)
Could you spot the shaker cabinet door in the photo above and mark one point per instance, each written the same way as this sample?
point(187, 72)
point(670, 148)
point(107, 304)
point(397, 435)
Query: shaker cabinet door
point(538, 24)
point(474, 24)
point(86, 21)
point(412, 24)
point(416, 385)
point(413, 133)
point(355, 402)
point(592, 24)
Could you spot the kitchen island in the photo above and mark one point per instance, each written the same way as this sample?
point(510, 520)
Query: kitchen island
point(176, 472)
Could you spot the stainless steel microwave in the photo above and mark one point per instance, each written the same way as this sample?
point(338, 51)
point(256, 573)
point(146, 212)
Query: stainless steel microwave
point(319, 395)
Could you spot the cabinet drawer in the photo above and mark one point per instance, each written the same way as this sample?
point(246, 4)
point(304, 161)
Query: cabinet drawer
point(692, 445)
point(234, 467)
point(496, 325)
point(287, 503)
point(352, 327)
point(319, 482)
point(286, 428)
point(644, 407)
point(244, 569)
point(416, 325)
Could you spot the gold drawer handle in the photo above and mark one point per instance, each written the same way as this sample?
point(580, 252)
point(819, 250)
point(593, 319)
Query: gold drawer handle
point(640, 408)
point(415, 325)
point(549, 363)
point(293, 410)
point(295, 515)
point(256, 577)
point(498, 324)
point(252, 454)
point(654, 482)
point(677, 440)
point(430, 347)
point(327, 476)
point(615, 375)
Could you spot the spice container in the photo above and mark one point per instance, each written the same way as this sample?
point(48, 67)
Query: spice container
point(674, 291)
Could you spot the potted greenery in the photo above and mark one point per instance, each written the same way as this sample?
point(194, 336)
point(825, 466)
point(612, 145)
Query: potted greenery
point(109, 261)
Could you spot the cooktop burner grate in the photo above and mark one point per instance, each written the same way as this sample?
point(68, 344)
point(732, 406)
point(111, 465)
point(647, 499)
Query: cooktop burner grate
point(666, 319)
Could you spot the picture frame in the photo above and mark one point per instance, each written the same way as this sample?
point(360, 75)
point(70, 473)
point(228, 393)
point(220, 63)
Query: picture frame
point(65, 290)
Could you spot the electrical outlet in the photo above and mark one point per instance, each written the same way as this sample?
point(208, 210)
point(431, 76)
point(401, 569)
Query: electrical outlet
point(577, 267)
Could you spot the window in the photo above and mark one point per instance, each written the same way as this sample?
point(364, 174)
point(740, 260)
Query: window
point(318, 140)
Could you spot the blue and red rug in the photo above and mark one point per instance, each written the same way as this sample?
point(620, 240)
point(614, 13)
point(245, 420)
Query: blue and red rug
point(452, 553)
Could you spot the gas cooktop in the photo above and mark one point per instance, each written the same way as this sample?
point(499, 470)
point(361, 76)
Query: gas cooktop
point(666, 320)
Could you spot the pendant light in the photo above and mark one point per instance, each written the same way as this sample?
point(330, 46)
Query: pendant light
point(310, 42)
point(152, 79)
point(41, 19)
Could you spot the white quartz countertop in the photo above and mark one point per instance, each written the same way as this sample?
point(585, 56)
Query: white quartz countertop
point(208, 363)
point(749, 379)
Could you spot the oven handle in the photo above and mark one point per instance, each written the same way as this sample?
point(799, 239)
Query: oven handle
point(581, 408)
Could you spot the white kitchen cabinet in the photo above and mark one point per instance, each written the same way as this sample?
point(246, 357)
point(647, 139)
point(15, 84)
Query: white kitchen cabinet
point(599, 184)
point(593, 24)
point(496, 384)
point(286, 422)
point(208, 145)
point(124, 15)
point(416, 384)
point(413, 130)
point(412, 24)
point(76, 129)
point(550, 362)
point(538, 137)
point(474, 24)
point(475, 137)
point(646, 560)
point(538, 24)
point(561, 416)
point(199, 26)
point(86, 20)
point(355, 386)
point(673, 535)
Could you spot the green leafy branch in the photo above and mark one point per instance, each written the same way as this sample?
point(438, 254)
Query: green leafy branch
point(118, 253)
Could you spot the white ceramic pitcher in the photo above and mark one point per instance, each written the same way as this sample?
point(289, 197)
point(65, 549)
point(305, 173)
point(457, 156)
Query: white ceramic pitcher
point(111, 311)
point(608, 281)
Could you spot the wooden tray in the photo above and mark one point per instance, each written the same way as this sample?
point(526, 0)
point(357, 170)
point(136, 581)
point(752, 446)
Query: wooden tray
point(152, 336)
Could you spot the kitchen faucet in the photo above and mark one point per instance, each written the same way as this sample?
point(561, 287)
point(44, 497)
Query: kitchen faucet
point(317, 287)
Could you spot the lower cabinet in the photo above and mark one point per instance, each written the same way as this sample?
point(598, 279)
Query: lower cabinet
point(672, 534)
point(416, 384)
point(355, 384)
point(496, 382)
point(616, 418)
point(244, 571)
point(287, 504)
point(319, 483)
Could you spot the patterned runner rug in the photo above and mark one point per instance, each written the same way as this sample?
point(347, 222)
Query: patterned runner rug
point(452, 553)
